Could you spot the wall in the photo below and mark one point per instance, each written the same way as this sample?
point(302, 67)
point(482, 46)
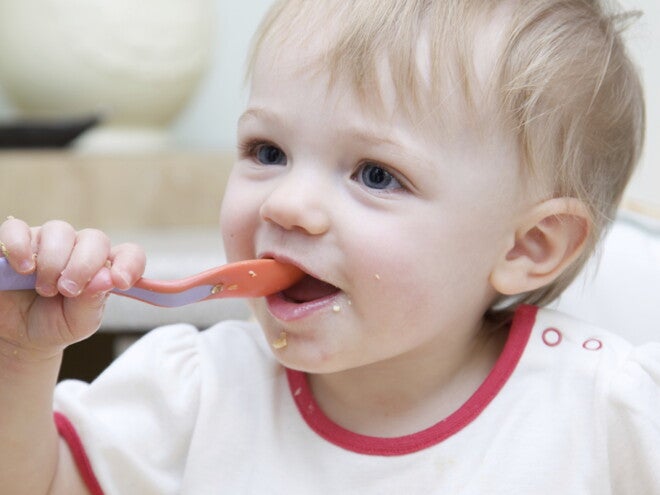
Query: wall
point(644, 38)
point(209, 121)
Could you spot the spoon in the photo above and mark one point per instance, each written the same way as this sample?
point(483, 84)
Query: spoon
point(250, 278)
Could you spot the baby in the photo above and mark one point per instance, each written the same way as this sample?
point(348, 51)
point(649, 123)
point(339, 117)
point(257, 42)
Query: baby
point(440, 170)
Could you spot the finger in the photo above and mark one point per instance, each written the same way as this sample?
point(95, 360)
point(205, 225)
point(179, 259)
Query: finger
point(89, 255)
point(16, 239)
point(100, 284)
point(55, 243)
point(128, 263)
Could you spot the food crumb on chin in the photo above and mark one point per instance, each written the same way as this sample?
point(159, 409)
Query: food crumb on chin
point(336, 308)
point(280, 342)
point(376, 276)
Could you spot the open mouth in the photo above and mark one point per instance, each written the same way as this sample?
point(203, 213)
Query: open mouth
point(309, 289)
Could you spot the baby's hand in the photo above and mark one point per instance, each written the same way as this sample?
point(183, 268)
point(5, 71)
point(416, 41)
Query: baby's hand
point(74, 273)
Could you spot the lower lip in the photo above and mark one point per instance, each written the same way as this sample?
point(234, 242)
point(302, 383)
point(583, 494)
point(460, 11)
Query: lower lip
point(285, 310)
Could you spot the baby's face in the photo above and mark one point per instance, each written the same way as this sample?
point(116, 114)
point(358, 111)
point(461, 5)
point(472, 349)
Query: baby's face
point(397, 225)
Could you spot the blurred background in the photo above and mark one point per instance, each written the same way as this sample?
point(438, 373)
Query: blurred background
point(205, 121)
point(124, 113)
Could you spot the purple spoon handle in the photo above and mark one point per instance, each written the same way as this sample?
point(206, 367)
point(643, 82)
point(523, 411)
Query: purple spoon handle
point(165, 300)
point(11, 280)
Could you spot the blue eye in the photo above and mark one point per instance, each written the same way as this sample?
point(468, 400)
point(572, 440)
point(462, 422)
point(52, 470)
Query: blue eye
point(267, 154)
point(374, 176)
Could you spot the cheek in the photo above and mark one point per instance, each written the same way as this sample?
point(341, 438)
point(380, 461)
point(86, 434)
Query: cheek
point(238, 217)
point(429, 265)
point(385, 270)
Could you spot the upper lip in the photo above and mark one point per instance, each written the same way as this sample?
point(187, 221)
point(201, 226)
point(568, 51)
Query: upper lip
point(282, 258)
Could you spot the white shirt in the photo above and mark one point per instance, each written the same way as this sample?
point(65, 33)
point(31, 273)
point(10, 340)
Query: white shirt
point(567, 409)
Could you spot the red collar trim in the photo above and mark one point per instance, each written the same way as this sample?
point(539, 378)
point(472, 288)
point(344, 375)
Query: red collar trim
point(68, 432)
point(519, 333)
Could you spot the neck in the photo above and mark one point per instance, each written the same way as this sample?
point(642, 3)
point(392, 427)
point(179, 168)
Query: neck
point(410, 392)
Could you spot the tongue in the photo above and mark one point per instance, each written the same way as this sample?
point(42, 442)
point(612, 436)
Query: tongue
point(308, 289)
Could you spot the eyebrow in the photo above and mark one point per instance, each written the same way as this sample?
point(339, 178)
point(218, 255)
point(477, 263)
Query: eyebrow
point(259, 113)
point(364, 135)
point(373, 138)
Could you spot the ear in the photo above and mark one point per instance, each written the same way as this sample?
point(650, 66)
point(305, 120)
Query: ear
point(547, 240)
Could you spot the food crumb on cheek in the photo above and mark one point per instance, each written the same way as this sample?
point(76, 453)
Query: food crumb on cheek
point(376, 276)
point(280, 342)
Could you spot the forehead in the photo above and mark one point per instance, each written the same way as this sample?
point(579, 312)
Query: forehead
point(421, 66)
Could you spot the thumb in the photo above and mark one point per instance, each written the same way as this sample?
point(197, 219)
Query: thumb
point(83, 314)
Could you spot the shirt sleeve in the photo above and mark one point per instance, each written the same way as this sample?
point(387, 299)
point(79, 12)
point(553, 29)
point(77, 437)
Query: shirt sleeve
point(634, 423)
point(135, 421)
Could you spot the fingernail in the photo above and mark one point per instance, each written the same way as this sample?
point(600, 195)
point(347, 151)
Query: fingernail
point(126, 280)
point(26, 266)
point(71, 287)
point(47, 290)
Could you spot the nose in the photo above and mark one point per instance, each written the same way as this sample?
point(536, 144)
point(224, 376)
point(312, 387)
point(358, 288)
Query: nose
point(297, 202)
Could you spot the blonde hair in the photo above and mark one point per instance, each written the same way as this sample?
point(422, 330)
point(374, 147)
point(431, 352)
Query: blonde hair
point(563, 82)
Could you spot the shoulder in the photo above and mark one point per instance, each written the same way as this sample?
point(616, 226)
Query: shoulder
point(183, 342)
point(568, 329)
point(617, 358)
point(588, 358)
point(613, 385)
point(228, 349)
point(173, 358)
point(137, 421)
point(620, 383)
point(567, 337)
